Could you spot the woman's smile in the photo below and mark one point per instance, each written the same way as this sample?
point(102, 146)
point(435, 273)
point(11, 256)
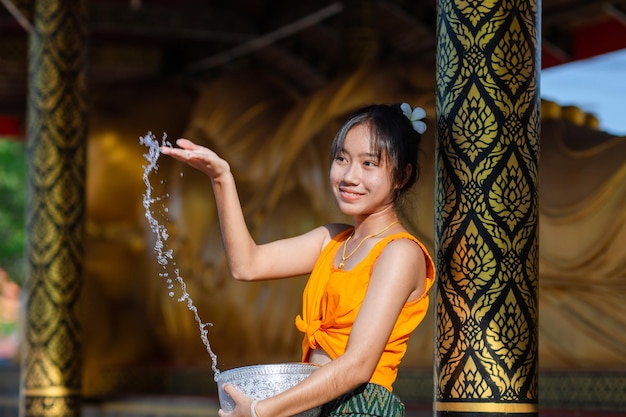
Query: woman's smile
point(349, 195)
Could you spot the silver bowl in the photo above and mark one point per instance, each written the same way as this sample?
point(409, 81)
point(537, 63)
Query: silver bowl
point(262, 381)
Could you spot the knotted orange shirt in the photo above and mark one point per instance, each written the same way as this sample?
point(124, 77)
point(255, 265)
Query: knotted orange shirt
point(332, 299)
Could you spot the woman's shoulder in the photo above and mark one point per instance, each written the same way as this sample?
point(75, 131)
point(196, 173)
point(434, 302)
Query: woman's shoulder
point(403, 236)
point(405, 246)
point(401, 240)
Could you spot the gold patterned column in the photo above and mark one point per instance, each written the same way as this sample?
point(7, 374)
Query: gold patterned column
point(50, 382)
point(486, 221)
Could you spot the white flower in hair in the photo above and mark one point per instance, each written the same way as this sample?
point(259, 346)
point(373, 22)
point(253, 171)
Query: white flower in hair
point(415, 117)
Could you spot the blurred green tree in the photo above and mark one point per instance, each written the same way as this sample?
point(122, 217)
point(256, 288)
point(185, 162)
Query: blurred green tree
point(13, 169)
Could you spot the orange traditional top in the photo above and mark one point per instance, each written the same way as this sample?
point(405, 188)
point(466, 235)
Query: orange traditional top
point(332, 299)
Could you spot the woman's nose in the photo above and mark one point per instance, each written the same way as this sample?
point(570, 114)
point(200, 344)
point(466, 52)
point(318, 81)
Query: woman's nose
point(351, 174)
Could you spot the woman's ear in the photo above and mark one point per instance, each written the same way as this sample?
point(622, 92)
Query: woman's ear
point(408, 169)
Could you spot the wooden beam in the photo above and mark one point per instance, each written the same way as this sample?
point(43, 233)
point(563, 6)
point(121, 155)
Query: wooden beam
point(22, 11)
point(265, 40)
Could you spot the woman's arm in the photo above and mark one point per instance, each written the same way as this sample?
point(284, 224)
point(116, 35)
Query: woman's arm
point(398, 277)
point(247, 260)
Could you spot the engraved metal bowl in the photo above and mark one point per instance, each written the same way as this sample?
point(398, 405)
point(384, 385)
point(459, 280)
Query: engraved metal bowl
point(262, 381)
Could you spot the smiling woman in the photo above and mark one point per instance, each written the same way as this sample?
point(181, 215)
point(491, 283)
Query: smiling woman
point(368, 282)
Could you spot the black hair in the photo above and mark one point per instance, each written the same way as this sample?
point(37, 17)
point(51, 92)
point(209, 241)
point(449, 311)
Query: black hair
point(393, 138)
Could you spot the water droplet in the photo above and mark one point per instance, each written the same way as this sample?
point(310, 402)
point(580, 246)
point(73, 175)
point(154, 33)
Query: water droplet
point(164, 255)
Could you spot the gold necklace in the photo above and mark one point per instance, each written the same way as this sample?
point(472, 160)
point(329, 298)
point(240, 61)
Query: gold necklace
point(345, 257)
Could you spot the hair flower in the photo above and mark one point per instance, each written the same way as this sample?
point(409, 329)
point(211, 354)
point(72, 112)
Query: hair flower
point(415, 117)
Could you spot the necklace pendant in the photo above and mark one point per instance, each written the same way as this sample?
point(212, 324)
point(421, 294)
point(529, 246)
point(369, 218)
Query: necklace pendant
point(345, 257)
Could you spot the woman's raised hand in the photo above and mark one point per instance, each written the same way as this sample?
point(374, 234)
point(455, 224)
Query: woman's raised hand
point(199, 157)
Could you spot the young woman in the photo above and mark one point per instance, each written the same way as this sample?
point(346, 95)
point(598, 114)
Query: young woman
point(369, 282)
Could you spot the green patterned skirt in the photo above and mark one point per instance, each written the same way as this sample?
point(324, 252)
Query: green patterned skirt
point(367, 400)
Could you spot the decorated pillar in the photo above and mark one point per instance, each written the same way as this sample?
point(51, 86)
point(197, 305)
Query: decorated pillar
point(50, 383)
point(486, 214)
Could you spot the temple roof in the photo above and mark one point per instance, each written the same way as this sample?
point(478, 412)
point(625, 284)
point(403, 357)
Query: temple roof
point(302, 42)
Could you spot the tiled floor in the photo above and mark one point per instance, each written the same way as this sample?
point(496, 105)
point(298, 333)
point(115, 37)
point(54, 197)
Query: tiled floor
point(207, 407)
point(561, 397)
point(186, 407)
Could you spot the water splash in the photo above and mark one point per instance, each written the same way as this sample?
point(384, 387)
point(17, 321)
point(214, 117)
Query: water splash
point(164, 255)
